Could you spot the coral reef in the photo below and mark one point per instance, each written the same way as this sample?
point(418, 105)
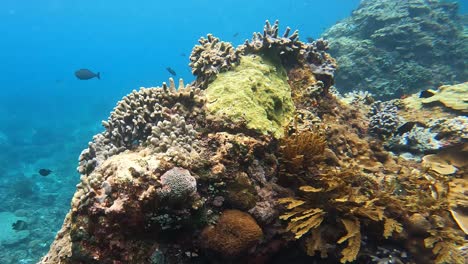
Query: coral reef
point(393, 48)
point(260, 163)
point(134, 118)
point(384, 119)
point(211, 57)
point(255, 93)
point(292, 52)
point(234, 234)
point(450, 96)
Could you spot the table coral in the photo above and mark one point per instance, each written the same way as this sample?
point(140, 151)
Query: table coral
point(453, 97)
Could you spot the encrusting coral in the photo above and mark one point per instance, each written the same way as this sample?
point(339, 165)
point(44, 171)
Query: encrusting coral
point(255, 93)
point(273, 171)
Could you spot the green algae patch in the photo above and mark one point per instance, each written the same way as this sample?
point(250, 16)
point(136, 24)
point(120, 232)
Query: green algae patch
point(255, 93)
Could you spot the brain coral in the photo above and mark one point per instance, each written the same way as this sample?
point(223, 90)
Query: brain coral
point(235, 233)
point(177, 185)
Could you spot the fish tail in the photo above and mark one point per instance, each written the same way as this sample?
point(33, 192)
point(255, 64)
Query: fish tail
point(98, 75)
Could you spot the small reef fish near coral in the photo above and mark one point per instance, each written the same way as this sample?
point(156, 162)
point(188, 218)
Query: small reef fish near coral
point(171, 71)
point(261, 160)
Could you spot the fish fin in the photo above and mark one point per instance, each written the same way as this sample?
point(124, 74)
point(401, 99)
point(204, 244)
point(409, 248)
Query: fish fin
point(98, 75)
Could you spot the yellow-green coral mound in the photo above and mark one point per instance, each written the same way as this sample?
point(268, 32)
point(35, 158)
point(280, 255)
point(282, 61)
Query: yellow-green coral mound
point(256, 93)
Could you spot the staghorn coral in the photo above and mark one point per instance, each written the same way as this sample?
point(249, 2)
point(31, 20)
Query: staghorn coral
point(211, 57)
point(233, 235)
point(133, 119)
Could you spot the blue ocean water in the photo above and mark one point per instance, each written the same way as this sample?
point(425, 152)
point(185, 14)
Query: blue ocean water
point(47, 115)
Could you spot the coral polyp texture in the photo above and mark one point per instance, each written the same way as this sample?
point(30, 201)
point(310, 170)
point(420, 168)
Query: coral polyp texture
point(257, 161)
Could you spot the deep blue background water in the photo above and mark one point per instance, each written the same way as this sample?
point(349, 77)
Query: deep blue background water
point(47, 116)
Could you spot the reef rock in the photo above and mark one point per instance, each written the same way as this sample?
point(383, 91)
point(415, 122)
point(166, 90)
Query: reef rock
point(254, 162)
point(392, 48)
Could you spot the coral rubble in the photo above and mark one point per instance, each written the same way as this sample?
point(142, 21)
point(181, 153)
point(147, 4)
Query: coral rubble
point(258, 162)
point(392, 48)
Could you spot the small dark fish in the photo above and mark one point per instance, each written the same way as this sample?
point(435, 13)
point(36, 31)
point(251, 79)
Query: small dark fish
point(19, 225)
point(85, 74)
point(310, 40)
point(426, 94)
point(236, 34)
point(44, 172)
point(406, 127)
point(183, 54)
point(171, 71)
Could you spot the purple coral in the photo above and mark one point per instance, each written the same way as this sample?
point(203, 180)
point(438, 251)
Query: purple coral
point(178, 185)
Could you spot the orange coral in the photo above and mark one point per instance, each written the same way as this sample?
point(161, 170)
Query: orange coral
point(234, 234)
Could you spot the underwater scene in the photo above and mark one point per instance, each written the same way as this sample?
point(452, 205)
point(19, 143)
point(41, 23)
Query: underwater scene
point(256, 132)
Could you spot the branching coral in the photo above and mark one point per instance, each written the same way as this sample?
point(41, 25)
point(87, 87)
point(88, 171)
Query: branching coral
point(175, 139)
point(292, 52)
point(135, 116)
point(211, 57)
point(270, 42)
point(384, 119)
